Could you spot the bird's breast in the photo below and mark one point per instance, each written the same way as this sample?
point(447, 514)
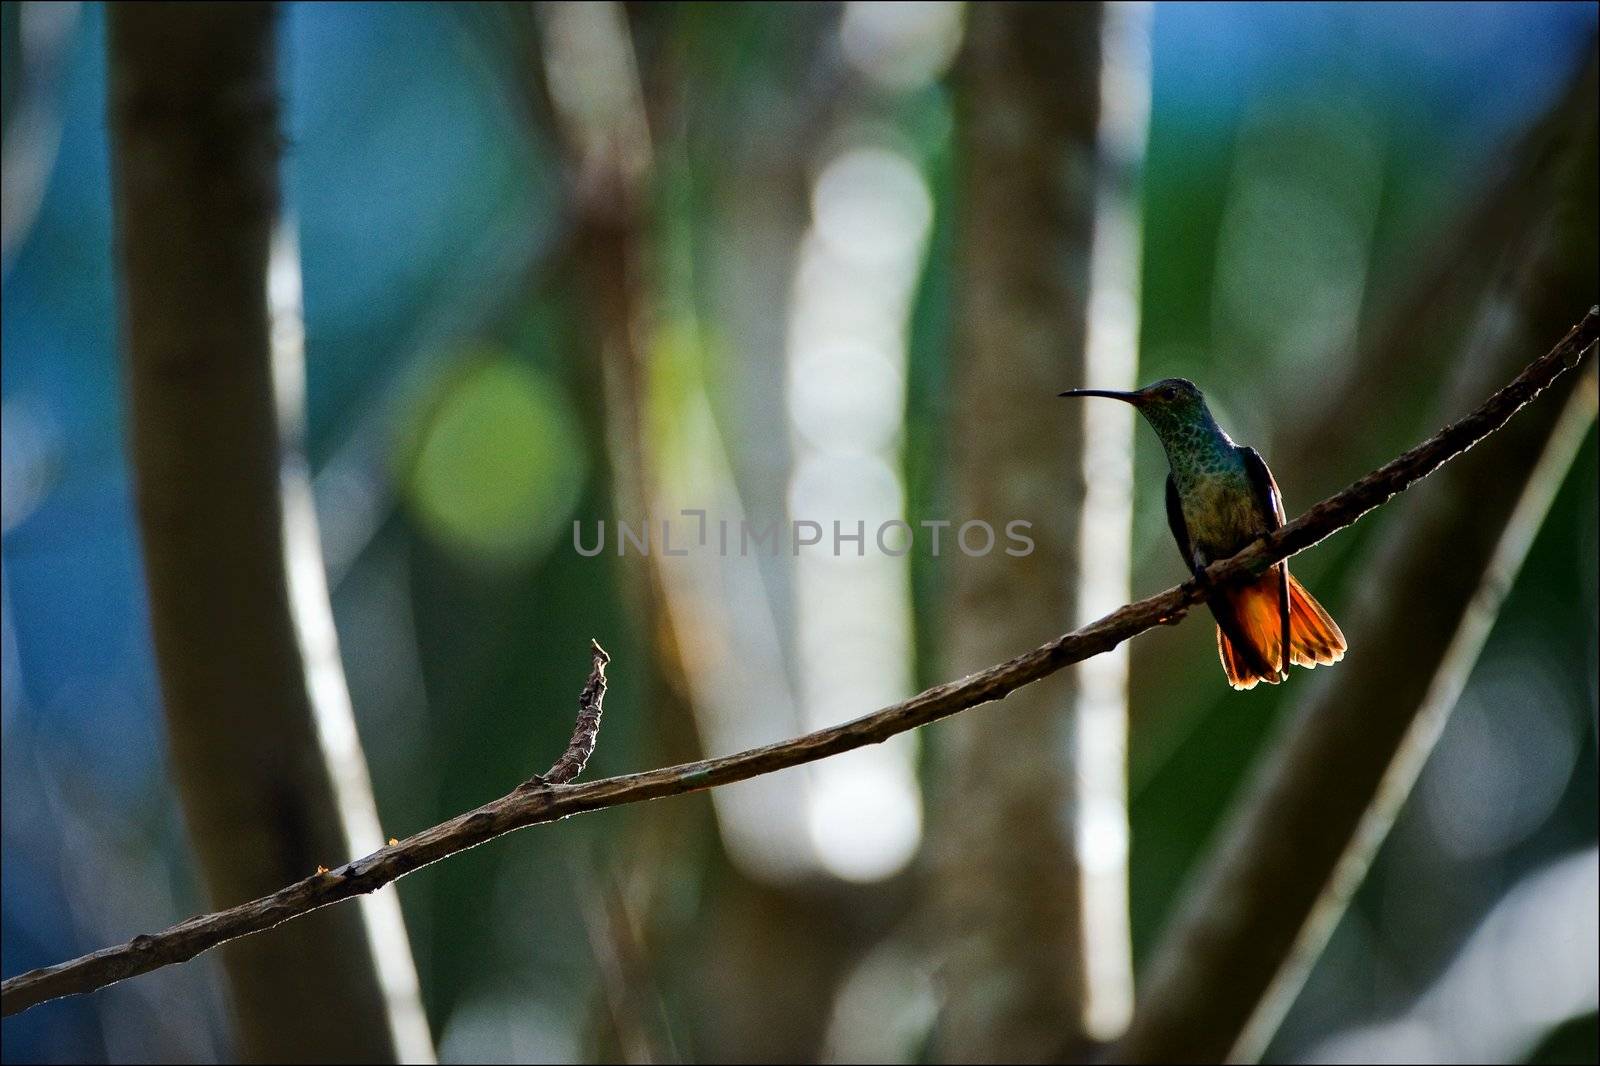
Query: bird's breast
point(1221, 516)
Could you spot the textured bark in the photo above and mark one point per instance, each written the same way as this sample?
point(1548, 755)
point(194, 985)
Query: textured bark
point(1005, 878)
point(194, 116)
point(1307, 827)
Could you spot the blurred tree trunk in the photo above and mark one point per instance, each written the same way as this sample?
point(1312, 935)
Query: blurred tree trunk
point(592, 87)
point(610, 95)
point(1305, 830)
point(1030, 846)
point(194, 120)
point(591, 84)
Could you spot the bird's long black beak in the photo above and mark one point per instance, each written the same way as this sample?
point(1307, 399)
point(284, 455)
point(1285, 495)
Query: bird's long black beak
point(1135, 398)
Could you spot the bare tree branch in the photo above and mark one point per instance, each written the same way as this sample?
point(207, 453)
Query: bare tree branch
point(531, 807)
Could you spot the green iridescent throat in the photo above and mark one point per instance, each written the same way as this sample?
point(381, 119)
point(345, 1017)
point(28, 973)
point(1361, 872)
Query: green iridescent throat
point(1197, 448)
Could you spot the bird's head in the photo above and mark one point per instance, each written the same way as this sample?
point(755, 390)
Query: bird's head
point(1169, 402)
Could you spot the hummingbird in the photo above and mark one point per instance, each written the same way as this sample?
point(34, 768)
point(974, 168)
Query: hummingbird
point(1220, 498)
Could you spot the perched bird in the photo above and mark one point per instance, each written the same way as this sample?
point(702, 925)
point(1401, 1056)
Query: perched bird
point(1220, 498)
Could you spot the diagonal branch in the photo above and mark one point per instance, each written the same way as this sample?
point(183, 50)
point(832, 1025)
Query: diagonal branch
point(525, 807)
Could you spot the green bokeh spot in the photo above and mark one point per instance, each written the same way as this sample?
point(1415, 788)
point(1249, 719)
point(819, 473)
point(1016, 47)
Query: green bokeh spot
point(499, 464)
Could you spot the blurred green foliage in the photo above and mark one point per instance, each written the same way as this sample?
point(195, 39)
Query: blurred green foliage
point(492, 475)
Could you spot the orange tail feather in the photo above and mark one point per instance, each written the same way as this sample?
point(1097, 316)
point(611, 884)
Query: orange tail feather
point(1241, 674)
point(1250, 632)
point(1314, 637)
point(1253, 614)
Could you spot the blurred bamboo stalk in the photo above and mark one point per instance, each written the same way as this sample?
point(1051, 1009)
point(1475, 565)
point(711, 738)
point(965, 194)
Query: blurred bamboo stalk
point(263, 741)
point(591, 83)
point(634, 1006)
point(1106, 531)
point(712, 651)
point(1029, 875)
point(1307, 827)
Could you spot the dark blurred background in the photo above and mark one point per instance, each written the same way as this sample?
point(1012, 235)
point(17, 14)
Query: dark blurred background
point(1318, 179)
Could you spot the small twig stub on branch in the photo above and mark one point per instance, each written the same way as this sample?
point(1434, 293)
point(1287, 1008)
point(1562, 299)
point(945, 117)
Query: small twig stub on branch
point(585, 733)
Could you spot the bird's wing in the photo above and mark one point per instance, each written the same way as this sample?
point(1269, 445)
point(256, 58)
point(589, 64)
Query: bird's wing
point(1270, 502)
point(1265, 488)
point(1180, 528)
